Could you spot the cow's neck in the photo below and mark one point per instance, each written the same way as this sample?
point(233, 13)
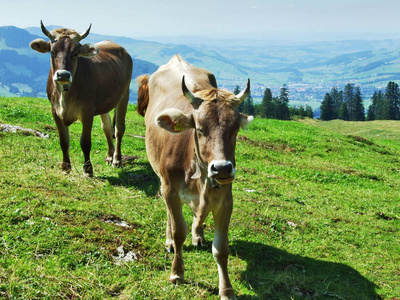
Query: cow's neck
point(60, 104)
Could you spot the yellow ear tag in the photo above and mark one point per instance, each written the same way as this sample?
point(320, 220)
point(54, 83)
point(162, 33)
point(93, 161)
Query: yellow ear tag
point(178, 127)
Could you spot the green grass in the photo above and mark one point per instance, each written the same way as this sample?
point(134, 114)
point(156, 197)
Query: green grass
point(385, 133)
point(316, 215)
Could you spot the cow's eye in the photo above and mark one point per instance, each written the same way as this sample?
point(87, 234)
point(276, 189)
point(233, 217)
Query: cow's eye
point(53, 53)
point(200, 131)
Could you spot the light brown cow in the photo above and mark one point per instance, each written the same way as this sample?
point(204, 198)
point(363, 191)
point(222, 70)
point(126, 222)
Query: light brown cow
point(85, 81)
point(190, 141)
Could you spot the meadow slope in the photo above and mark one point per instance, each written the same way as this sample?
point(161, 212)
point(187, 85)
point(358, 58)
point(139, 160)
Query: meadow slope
point(316, 215)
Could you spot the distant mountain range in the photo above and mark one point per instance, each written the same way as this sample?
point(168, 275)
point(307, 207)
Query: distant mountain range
point(24, 71)
point(309, 69)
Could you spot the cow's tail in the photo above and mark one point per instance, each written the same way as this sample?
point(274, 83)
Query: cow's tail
point(143, 94)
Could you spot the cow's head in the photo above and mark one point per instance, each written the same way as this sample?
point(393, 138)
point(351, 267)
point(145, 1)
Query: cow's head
point(216, 123)
point(65, 49)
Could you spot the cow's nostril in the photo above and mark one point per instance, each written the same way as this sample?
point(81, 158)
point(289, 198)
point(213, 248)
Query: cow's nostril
point(63, 75)
point(221, 168)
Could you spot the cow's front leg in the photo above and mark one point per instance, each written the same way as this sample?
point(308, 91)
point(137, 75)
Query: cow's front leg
point(63, 135)
point(86, 144)
point(108, 131)
point(179, 232)
point(220, 247)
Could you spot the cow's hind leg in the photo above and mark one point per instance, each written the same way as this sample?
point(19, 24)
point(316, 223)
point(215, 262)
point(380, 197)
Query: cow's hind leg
point(86, 143)
point(200, 211)
point(178, 230)
point(198, 232)
point(169, 241)
point(108, 131)
point(120, 114)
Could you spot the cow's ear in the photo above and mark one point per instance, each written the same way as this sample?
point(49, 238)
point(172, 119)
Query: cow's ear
point(174, 120)
point(40, 46)
point(88, 50)
point(245, 120)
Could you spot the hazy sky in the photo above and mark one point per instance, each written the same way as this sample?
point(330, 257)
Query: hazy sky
point(210, 18)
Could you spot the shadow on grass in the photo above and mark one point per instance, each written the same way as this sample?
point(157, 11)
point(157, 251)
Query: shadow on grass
point(271, 273)
point(141, 177)
point(276, 274)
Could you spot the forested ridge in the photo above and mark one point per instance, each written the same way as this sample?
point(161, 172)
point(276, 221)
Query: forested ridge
point(346, 104)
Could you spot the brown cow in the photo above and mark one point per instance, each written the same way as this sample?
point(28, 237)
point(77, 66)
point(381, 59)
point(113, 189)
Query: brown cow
point(85, 81)
point(190, 143)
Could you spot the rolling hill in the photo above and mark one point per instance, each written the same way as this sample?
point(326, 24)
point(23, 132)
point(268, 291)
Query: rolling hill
point(309, 69)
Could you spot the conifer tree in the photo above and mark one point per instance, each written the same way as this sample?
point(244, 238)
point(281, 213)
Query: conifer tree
point(267, 106)
point(348, 99)
point(337, 98)
point(248, 105)
point(302, 111)
point(282, 105)
point(371, 115)
point(344, 112)
point(379, 106)
point(327, 108)
point(359, 111)
point(392, 101)
point(309, 112)
point(353, 101)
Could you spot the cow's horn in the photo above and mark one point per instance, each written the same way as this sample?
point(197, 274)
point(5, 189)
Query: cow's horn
point(46, 32)
point(195, 102)
point(86, 33)
point(243, 95)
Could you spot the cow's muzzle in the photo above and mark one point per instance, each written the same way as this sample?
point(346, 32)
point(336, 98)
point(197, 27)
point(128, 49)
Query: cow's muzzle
point(63, 78)
point(222, 171)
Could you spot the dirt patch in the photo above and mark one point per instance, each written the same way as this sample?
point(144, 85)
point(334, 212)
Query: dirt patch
point(26, 131)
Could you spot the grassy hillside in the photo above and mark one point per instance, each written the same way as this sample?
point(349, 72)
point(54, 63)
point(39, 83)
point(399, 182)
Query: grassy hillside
point(383, 132)
point(316, 215)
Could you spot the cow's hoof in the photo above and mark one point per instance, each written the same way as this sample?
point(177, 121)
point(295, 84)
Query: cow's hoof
point(227, 294)
point(109, 160)
point(66, 168)
point(66, 172)
point(117, 163)
point(176, 279)
point(198, 241)
point(88, 170)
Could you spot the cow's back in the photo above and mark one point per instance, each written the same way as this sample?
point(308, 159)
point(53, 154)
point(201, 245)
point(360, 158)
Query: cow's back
point(170, 153)
point(165, 85)
point(103, 78)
